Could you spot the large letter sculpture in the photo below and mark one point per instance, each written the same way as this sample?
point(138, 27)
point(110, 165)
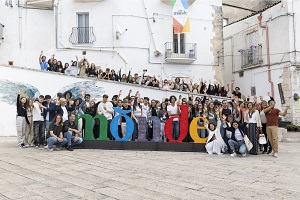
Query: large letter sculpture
point(194, 130)
point(89, 127)
point(183, 122)
point(156, 124)
point(114, 125)
point(142, 129)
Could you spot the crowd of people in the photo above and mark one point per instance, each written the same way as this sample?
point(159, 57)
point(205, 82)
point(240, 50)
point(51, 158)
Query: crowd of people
point(227, 122)
point(84, 68)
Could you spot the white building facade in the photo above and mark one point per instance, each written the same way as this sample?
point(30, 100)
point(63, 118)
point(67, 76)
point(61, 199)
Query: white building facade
point(135, 34)
point(257, 70)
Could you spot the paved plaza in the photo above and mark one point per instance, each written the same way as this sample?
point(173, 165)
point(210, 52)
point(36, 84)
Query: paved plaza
point(104, 174)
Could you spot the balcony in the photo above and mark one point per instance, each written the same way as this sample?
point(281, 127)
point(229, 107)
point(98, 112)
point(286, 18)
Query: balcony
point(48, 4)
point(251, 57)
point(82, 35)
point(180, 53)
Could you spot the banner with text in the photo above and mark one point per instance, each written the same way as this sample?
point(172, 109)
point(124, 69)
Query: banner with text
point(181, 20)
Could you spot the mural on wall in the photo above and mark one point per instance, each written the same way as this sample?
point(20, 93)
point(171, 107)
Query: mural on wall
point(9, 90)
point(90, 87)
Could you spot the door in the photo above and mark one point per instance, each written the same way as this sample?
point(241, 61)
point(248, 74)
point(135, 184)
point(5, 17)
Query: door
point(83, 28)
point(179, 43)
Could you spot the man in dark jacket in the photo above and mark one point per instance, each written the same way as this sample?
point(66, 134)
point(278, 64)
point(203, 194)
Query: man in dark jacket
point(237, 138)
point(71, 132)
point(49, 111)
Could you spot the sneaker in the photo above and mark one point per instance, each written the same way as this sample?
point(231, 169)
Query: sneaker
point(36, 146)
point(57, 148)
point(31, 145)
point(272, 153)
point(50, 149)
point(244, 154)
point(275, 155)
point(46, 147)
point(270, 150)
point(233, 154)
point(69, 148)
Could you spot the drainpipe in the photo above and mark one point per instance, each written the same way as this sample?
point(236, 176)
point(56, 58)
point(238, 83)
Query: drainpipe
point(268, 52)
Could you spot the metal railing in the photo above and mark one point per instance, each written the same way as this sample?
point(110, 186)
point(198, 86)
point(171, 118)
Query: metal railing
point(180, 50)
point(82, 35)
point(251, 56)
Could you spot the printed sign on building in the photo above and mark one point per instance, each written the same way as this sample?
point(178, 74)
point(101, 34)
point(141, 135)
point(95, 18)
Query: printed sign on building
point(181, 20)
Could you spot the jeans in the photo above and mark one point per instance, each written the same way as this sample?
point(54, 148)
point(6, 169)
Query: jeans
point(70, 138)
point(47, 126)
point(238, 144)
point(21, 126)
point(39, 132)
point(53, 140)
point(175, 129)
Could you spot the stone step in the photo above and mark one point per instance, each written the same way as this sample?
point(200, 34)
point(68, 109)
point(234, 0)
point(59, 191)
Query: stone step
point(285, 136)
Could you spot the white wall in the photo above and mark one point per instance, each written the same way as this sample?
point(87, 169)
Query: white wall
point(26, 33)
point(235, 35)
point(136, 45)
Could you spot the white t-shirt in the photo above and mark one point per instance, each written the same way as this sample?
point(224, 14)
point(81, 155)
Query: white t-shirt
point(65, 115)
point(173, 110)
point(37, 112)
point(238, 135)
point(145, 110)
point(252, 119)
point(108, 112)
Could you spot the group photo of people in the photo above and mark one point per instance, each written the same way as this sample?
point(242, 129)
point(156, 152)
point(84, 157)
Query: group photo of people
point(83, 68)
point(235, 125)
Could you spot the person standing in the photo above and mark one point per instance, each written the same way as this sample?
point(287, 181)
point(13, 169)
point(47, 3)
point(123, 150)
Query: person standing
point(105, 108)
point(38, 122)
point(43, 62)
point(267, 146)
point(22, 119)
point(252, 118)
point(29, 133)
point(173, 111)
point(272, 114)
point(49, 111)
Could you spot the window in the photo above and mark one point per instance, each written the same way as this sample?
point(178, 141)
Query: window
point(178, 42)
point(83, 27)
point(252, 48)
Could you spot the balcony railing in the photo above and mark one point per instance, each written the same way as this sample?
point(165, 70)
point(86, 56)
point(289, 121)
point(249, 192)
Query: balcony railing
point(251, 56)
point(82, 35)
point(180, 51)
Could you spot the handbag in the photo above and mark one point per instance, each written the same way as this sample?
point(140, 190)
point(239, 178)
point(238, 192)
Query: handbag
point(262, 139)
point(248, 143)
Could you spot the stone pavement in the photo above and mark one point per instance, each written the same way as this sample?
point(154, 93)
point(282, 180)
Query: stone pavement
point(103, 174)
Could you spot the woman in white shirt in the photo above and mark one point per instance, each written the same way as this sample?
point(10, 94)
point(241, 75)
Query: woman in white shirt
point(215, 143)
point(252, 118)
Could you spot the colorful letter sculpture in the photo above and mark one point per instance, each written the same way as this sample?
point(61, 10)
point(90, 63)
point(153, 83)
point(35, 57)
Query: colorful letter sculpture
point(194, 130)
point(183, 123)
point(142, 127)
point(114, 125)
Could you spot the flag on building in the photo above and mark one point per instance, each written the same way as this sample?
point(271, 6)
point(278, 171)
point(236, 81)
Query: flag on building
point(181, 20)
